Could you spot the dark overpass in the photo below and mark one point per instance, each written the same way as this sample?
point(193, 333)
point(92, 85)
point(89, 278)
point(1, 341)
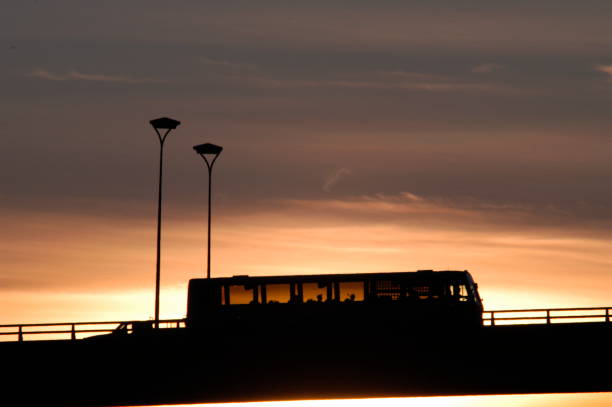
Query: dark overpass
point(176, 365)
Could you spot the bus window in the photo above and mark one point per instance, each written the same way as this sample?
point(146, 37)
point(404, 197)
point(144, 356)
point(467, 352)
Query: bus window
point(351, 291)
point(389, 290)
point(463, 292)
point(422, 292)
point(276, 293)
point(314, 292)
point(459, 291)
point(241, 294)
point(224, 295)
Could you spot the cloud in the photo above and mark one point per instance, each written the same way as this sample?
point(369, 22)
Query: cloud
point(411, 197)
point(334, 177)
point(228, 65)
point(78, 76)
point(411, 76)
point(607, 69)
point(377, 80)
point(409, 210)
point(487, 68)
point(385, 208)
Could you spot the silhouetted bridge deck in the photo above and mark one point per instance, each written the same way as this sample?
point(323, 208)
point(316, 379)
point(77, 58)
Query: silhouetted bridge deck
point(79, 330)
point(516, 352)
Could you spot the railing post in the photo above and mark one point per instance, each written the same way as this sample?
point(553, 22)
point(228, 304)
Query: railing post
point(607, 314)
point(20, 334)
point(492, 318)
point(73, 333)
point(548, 316)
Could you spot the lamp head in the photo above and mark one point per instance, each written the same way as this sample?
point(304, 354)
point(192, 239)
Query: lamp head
point(164, 123)
point(208, 148)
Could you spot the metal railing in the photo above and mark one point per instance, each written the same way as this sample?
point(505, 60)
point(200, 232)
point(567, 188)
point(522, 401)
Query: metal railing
point(547, 316)
point(79, 330)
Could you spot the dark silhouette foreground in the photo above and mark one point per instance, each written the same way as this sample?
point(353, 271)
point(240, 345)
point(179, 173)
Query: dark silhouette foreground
point(174, 366)
point(247, 339)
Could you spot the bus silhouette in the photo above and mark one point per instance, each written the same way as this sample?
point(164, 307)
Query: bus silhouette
point(396, 301)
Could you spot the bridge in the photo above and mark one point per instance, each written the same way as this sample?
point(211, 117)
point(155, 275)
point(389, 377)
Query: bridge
point(129, 363)
point(78, 330)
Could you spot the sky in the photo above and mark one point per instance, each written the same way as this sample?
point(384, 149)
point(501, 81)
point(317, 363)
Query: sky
point(358, 137)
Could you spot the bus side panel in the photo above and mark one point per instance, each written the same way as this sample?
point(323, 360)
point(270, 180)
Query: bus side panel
point(203, 299)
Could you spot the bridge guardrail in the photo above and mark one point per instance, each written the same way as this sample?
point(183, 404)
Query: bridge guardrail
point(78, 330)
point(547, 316)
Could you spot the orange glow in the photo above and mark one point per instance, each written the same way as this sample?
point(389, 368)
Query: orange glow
point(539, 400)
point(57, 270)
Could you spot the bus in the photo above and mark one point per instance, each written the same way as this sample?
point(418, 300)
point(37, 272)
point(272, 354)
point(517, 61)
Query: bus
point(398, 300)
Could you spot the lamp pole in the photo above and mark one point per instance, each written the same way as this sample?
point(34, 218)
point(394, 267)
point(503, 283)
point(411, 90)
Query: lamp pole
point(167, 124)
point(210, 153)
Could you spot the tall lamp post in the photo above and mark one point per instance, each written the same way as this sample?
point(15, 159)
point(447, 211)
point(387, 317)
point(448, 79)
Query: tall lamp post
point(164, 124)
point(210, 153)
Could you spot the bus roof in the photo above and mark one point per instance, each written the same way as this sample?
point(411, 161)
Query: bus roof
point(404, 275)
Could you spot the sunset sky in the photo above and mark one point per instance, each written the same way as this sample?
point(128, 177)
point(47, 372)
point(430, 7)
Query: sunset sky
point(359, 136)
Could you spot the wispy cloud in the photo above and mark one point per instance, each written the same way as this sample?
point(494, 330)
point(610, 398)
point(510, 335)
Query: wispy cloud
point(607, 69)
point(79, 76)
point(460, 213)
point(487, 68)
point(375, 80)
point(382, 205)
point(410, 76)
point(228, 65)
point(334, 177)
point(382, 85)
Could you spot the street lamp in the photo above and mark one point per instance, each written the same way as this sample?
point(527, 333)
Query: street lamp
point(163, 123)
point(209, 153)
